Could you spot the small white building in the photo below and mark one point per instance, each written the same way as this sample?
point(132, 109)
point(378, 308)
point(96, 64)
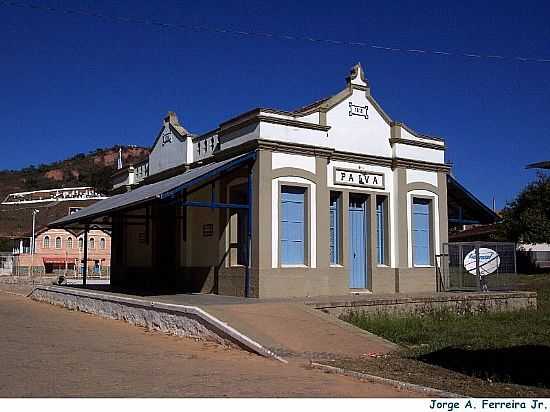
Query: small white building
point(332, 198)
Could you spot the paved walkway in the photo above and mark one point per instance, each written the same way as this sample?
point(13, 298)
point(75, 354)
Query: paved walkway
point(294, 330)
point(47, 351)
point(288, 327)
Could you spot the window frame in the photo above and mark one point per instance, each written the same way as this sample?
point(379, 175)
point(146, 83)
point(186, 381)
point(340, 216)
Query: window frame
point(46, 242)
point(58, 238)
point(382, 237)
point(102, 243)
point(429, 201)
point(69, 242)
point(335, 258)
point(306, 242)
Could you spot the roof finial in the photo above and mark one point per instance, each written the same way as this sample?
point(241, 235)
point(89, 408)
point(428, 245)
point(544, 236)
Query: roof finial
point(171, 118)
point(357, 77)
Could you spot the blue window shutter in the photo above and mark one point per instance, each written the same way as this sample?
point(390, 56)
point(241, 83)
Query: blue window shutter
point(421, 231)
point(334, 229)
point(292, 225)
point(380, 231)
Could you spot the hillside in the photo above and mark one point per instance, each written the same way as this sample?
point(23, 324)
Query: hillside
point(91, 169)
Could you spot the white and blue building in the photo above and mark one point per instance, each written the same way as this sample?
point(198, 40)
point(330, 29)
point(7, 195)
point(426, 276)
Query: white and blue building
point(332, 198)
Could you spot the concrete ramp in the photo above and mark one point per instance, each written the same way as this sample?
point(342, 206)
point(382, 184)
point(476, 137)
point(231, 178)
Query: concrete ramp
point(292, 329)
point(175, 319)
point(276, 329)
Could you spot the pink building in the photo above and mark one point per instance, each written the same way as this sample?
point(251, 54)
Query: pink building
point(61, 252)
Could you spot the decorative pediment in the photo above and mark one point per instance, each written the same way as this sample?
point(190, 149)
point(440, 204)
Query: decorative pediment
point(170, 130)
point(357, 77)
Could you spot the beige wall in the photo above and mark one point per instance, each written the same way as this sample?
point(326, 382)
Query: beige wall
point(207, 263)
point(200, 250)
point(325, 279)
point(138, 245)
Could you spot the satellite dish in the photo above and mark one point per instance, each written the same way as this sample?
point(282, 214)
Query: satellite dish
point(489, 261)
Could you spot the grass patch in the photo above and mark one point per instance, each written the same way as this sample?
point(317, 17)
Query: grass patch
point(477, 354)
point(439, 329)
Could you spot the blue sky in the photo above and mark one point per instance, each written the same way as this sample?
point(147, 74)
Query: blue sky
point(72, 83)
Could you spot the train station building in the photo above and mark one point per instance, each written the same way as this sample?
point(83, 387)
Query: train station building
point(332, 198)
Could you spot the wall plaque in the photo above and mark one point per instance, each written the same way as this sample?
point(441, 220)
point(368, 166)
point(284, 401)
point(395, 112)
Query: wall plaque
point(167, 137)
point(355, 110)
point(208, 230)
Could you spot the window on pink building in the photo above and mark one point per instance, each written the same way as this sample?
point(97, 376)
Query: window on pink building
point(46, 242)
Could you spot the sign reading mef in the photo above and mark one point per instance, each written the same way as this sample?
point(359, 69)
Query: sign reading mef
point(360, 178)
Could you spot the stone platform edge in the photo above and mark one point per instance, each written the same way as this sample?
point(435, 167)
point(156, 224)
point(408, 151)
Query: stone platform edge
point(180, 320)
point(425, 390)
point(464, 301)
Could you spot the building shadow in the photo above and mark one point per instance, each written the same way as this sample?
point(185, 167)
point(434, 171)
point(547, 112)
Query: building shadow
point(522, 365)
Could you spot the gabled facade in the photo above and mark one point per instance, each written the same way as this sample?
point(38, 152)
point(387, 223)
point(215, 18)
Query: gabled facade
point(329, 199)
point(173, 146)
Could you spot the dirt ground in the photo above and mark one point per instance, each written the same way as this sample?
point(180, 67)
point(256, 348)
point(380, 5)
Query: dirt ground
point(47, 351)
point(404, 369)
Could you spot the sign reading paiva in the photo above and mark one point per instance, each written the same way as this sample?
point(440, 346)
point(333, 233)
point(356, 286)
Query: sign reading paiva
point(358, 178)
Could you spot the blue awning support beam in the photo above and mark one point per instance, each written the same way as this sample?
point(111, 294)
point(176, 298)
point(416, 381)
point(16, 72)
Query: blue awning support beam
point(172, 194)
point(211, 204)
point(169, 189)
point(178, 196)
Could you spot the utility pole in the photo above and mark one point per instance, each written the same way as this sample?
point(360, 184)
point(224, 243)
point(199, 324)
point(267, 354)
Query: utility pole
point(34, 212)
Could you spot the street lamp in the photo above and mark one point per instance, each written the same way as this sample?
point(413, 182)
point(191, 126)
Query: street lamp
point(34, 212)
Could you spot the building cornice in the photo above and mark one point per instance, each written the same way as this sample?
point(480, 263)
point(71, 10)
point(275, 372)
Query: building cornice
point(255, 116)
point(294, 148)
point(417, 143)
point(414, 132)
point(165, 174)
point(420, 165)
point(362, 158)
point(304, 150)
point(308, 150)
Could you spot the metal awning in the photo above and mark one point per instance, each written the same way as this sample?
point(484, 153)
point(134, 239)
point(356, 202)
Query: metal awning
point(57, 259)
point(465, 201)
point(160, 190)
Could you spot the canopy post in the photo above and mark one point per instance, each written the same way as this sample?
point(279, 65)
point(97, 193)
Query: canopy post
point(85, 267)
point(249, 236)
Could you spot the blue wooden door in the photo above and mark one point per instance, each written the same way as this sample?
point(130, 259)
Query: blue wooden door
point(357, 245)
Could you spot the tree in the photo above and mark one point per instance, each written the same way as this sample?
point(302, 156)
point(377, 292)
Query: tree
point(527, 218)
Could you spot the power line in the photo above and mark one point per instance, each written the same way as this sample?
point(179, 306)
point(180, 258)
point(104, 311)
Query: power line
point(276, 36)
